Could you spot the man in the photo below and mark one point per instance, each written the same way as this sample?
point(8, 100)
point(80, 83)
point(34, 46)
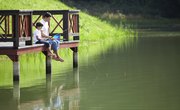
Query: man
point(45, 33)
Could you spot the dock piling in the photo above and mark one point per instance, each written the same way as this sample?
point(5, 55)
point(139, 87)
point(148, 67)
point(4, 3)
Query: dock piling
point(48, 65)
point(48, 62)
point(75, 57)
point(16, 70)
point(16, 67)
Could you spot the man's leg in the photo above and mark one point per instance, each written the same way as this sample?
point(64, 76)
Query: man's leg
point(55, 50)
point(48, 46)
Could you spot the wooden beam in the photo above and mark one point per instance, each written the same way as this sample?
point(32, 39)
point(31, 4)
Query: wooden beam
point(34, 48)
point(66, 26)
point(15, 27)
point(29, 29)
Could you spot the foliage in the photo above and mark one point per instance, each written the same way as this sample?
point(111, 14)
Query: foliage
point(162, 8)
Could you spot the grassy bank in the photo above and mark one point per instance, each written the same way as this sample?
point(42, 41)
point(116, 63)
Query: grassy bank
point(91, 28)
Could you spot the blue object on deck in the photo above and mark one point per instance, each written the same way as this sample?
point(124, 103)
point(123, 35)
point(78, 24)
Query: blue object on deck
point(57, 37)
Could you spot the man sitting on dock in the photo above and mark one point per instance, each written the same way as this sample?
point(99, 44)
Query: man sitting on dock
point(45, 33)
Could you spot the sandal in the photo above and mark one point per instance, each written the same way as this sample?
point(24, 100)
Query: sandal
point(49, 54)
point(58, 59)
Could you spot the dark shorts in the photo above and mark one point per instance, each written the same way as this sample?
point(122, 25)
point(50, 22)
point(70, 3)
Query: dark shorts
point(46, 43)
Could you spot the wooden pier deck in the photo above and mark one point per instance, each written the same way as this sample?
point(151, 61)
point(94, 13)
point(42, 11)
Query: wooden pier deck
point(7, 48)
point(16, 38)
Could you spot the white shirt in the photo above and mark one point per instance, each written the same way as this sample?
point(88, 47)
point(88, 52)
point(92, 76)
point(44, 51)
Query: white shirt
point(37, 34)
point(45, 27)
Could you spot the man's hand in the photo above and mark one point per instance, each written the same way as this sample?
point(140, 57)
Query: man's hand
point(52, 38)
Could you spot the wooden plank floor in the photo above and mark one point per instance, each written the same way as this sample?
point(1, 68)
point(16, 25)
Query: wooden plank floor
point(6, 48)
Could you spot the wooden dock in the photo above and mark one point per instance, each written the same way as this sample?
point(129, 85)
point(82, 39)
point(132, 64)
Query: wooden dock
point(16, 36)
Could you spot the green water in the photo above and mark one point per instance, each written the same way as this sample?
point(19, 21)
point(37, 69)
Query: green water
point(143, 77)
point(129, 74)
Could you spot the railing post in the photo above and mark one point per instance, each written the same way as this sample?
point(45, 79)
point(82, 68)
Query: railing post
point(77, 27)
point(15, 31)
point(66, 25)
point(6, 25)
point(29, 28)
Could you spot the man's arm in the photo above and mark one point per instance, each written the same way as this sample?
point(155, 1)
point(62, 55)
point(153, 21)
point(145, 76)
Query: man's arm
point(45, 36)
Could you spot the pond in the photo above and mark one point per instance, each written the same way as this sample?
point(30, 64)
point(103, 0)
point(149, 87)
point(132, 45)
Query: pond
point(143, 76)
point(137, 74)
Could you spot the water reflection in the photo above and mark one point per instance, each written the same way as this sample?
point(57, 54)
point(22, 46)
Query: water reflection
point(53, 95)
point(16, 93)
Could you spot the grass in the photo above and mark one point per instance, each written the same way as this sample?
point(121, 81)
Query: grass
point(91, 28)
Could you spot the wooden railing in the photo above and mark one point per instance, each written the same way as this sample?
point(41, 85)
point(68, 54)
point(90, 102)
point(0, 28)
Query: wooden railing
point(17, 25)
